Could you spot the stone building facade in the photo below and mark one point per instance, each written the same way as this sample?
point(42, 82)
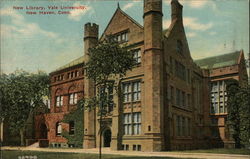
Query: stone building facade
point(167, 95)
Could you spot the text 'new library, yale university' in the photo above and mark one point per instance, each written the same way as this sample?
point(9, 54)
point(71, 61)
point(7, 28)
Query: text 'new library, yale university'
point(171, 102)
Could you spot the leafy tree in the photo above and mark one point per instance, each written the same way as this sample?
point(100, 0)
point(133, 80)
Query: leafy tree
point(239, 112)
point(106, 61)
point(22, 93)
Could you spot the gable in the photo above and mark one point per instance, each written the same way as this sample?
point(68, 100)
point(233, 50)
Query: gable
point(122, 22)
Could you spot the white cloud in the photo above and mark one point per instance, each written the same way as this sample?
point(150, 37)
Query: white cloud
point(191, 34)
point(193, 24)
point(197, 4)
point(77, 14)
point(130, 5)
point(20, 27)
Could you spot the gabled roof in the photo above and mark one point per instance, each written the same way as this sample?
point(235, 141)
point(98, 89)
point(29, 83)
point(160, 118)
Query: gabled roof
point(219, 61)
point(126, 15)
point(79, 60)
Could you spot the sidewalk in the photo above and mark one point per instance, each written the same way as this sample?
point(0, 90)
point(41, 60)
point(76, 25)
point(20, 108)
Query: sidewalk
point(131, 153)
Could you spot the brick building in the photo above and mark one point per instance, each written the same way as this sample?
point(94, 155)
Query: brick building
point(221, 68)
point(167, 95)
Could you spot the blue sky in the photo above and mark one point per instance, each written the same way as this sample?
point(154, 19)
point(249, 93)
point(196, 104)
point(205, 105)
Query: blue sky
point(45, 42)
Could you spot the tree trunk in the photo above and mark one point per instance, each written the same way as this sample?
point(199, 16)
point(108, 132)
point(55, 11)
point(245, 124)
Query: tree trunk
point(22, 136)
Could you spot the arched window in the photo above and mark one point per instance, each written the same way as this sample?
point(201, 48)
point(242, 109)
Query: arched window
point(72, 95)
point(58, 129)
point(179, 47)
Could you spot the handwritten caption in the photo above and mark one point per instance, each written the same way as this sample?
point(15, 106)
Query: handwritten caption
point(49, 10)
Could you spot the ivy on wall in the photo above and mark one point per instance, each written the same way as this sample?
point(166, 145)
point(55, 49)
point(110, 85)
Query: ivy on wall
point(76, 139)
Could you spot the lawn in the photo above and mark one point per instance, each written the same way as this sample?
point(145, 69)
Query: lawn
point(221, 151)
point(64, 155)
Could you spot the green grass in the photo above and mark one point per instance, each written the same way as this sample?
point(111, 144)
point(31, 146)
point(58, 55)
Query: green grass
point(221, 151)
point(66, 155)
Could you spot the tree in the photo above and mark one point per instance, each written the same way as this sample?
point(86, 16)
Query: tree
point(107, 60)
point(77, 119)
point(22, 93)
point(238, 112)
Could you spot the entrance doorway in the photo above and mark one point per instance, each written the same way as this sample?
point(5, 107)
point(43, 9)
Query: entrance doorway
point(106, 138)
point(43, 131)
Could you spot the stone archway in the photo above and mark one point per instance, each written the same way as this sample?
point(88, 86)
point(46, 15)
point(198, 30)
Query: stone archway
point(106, 137)
point(43, 131)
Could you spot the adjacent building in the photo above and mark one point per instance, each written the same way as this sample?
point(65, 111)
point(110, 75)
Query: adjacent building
point(222, 68)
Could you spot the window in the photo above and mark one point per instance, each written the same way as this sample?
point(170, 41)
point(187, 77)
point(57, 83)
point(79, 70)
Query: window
point(178, 98)
point(137, 56)
point(183, 126)
point(132, 91)
point(134, 147)
point(108, 94)
point(127, 124)
point(132, 123)
point(121, 37)
point(171, 65)
point(218, 97)
point(137, 123)
point(172, 94)
point(188, 100)
point(127, 92)
point(180, 70)
point(59, 101)
point(58, 129)
point(73, 98)
point(178, 123)
point(188, 127)
point(136, 91)
point(138, 147)
point(183, 99)
point(76, 73)
point(188, 76)
point(179, 47)
point(126, 147)
point(71, 127)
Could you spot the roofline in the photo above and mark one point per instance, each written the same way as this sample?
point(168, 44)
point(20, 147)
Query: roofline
point(241, 56)
point(129, 17)
point(217, 55)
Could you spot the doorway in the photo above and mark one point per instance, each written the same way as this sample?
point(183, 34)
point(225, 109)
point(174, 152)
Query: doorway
point(43, 132)
point(106, 138)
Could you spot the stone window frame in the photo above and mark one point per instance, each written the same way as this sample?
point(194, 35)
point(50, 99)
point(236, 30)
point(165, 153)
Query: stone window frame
point(132, 91)
point(121, 37)
point(130, 125)
point(218, 97)
point(137, 55)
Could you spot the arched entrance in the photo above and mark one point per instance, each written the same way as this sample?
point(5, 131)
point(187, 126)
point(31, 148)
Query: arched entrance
point(106, 138)
point(43, 131)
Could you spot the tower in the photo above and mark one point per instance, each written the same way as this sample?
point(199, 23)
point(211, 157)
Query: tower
point(90, 40)
point(153, 78)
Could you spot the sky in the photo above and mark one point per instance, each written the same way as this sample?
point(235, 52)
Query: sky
point(45, 42)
